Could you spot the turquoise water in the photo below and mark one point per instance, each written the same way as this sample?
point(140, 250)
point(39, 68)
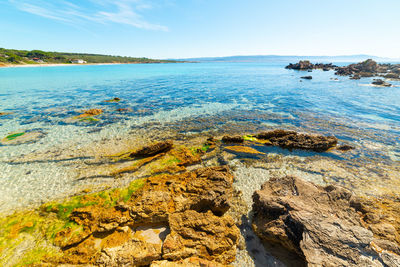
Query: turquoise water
point(42, 99)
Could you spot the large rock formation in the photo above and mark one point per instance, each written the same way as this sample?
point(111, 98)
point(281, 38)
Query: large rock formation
point(292, 139)
point(318, 223)
point(307, 65)
point(171, 217)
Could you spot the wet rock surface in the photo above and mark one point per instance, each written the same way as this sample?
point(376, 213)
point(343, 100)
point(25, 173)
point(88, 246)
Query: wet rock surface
point(318, 223)
point(232, 139)
point(294, 140)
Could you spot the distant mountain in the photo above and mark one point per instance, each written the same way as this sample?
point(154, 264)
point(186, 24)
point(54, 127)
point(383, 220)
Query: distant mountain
point(287, 59)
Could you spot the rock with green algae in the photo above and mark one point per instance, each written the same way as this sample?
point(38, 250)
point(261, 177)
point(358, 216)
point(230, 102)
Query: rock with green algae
point(105, 228)
point(18, 138)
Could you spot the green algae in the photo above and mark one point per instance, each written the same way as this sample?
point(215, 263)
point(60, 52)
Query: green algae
point(250, 138)
point(14, 136)
point(89, 119)
point(41, 226)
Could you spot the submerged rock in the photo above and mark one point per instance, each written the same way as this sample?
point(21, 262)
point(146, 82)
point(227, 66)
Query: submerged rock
point(22, 138)
point(153, 149)
point(294, 140)
point(243, 149)
point(318, 223)
point(345, 147)
point(114, 100)
point(90, 112)
point(233, 139)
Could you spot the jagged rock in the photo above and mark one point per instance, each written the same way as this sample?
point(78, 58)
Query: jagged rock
point(191, 205)
point(152, 150)
point(355, 77)
point(302, 65)
point(201, 234)
point(307, 77)
point(139, 247)
point(318, 223)
point(294, 140)
point(307, 65)
point(201, 190)
point(233, 139)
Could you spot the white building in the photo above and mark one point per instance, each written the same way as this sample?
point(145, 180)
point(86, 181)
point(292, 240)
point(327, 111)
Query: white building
point(78, 61)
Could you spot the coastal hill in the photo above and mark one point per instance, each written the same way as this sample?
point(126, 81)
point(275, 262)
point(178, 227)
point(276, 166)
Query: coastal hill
point(286, 59)
point(19, 57)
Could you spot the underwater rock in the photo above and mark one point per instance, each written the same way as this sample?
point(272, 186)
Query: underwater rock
point(232, 139)
point(22, 138)
point(5, 113)
point(114, 100)
point(124, 110)
point(91, 112)
point(243, 149)
point(294, 140)
point(203, 235)
point(153, 149)
point(345, 147)
point(307, 77)
point(318, 223)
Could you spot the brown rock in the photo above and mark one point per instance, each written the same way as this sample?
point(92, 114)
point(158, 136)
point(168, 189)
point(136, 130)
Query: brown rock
point(233, 139)
point(291, 139)
point(345, 147)
point(203, 235)
point(91, 112)
point(318, 223)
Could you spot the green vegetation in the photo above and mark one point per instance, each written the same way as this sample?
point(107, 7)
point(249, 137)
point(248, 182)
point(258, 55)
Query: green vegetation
point(12, 56)
point(13, 136)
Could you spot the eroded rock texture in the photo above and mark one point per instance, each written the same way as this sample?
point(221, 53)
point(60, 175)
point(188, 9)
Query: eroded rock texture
point(318, 223)
point(171, 218)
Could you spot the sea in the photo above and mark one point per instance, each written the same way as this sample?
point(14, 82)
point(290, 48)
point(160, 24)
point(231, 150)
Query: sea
point(190, 99)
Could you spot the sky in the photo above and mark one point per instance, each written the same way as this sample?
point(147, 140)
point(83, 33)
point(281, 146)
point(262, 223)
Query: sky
point(203, 28)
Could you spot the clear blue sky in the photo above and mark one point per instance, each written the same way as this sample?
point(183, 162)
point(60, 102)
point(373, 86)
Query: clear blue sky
point(198, 28)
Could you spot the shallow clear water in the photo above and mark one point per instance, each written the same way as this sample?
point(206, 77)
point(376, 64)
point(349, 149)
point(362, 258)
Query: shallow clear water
point(42, 99)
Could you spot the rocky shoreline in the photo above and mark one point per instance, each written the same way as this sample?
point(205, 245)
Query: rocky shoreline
point(178, 212)
point(367, 68)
